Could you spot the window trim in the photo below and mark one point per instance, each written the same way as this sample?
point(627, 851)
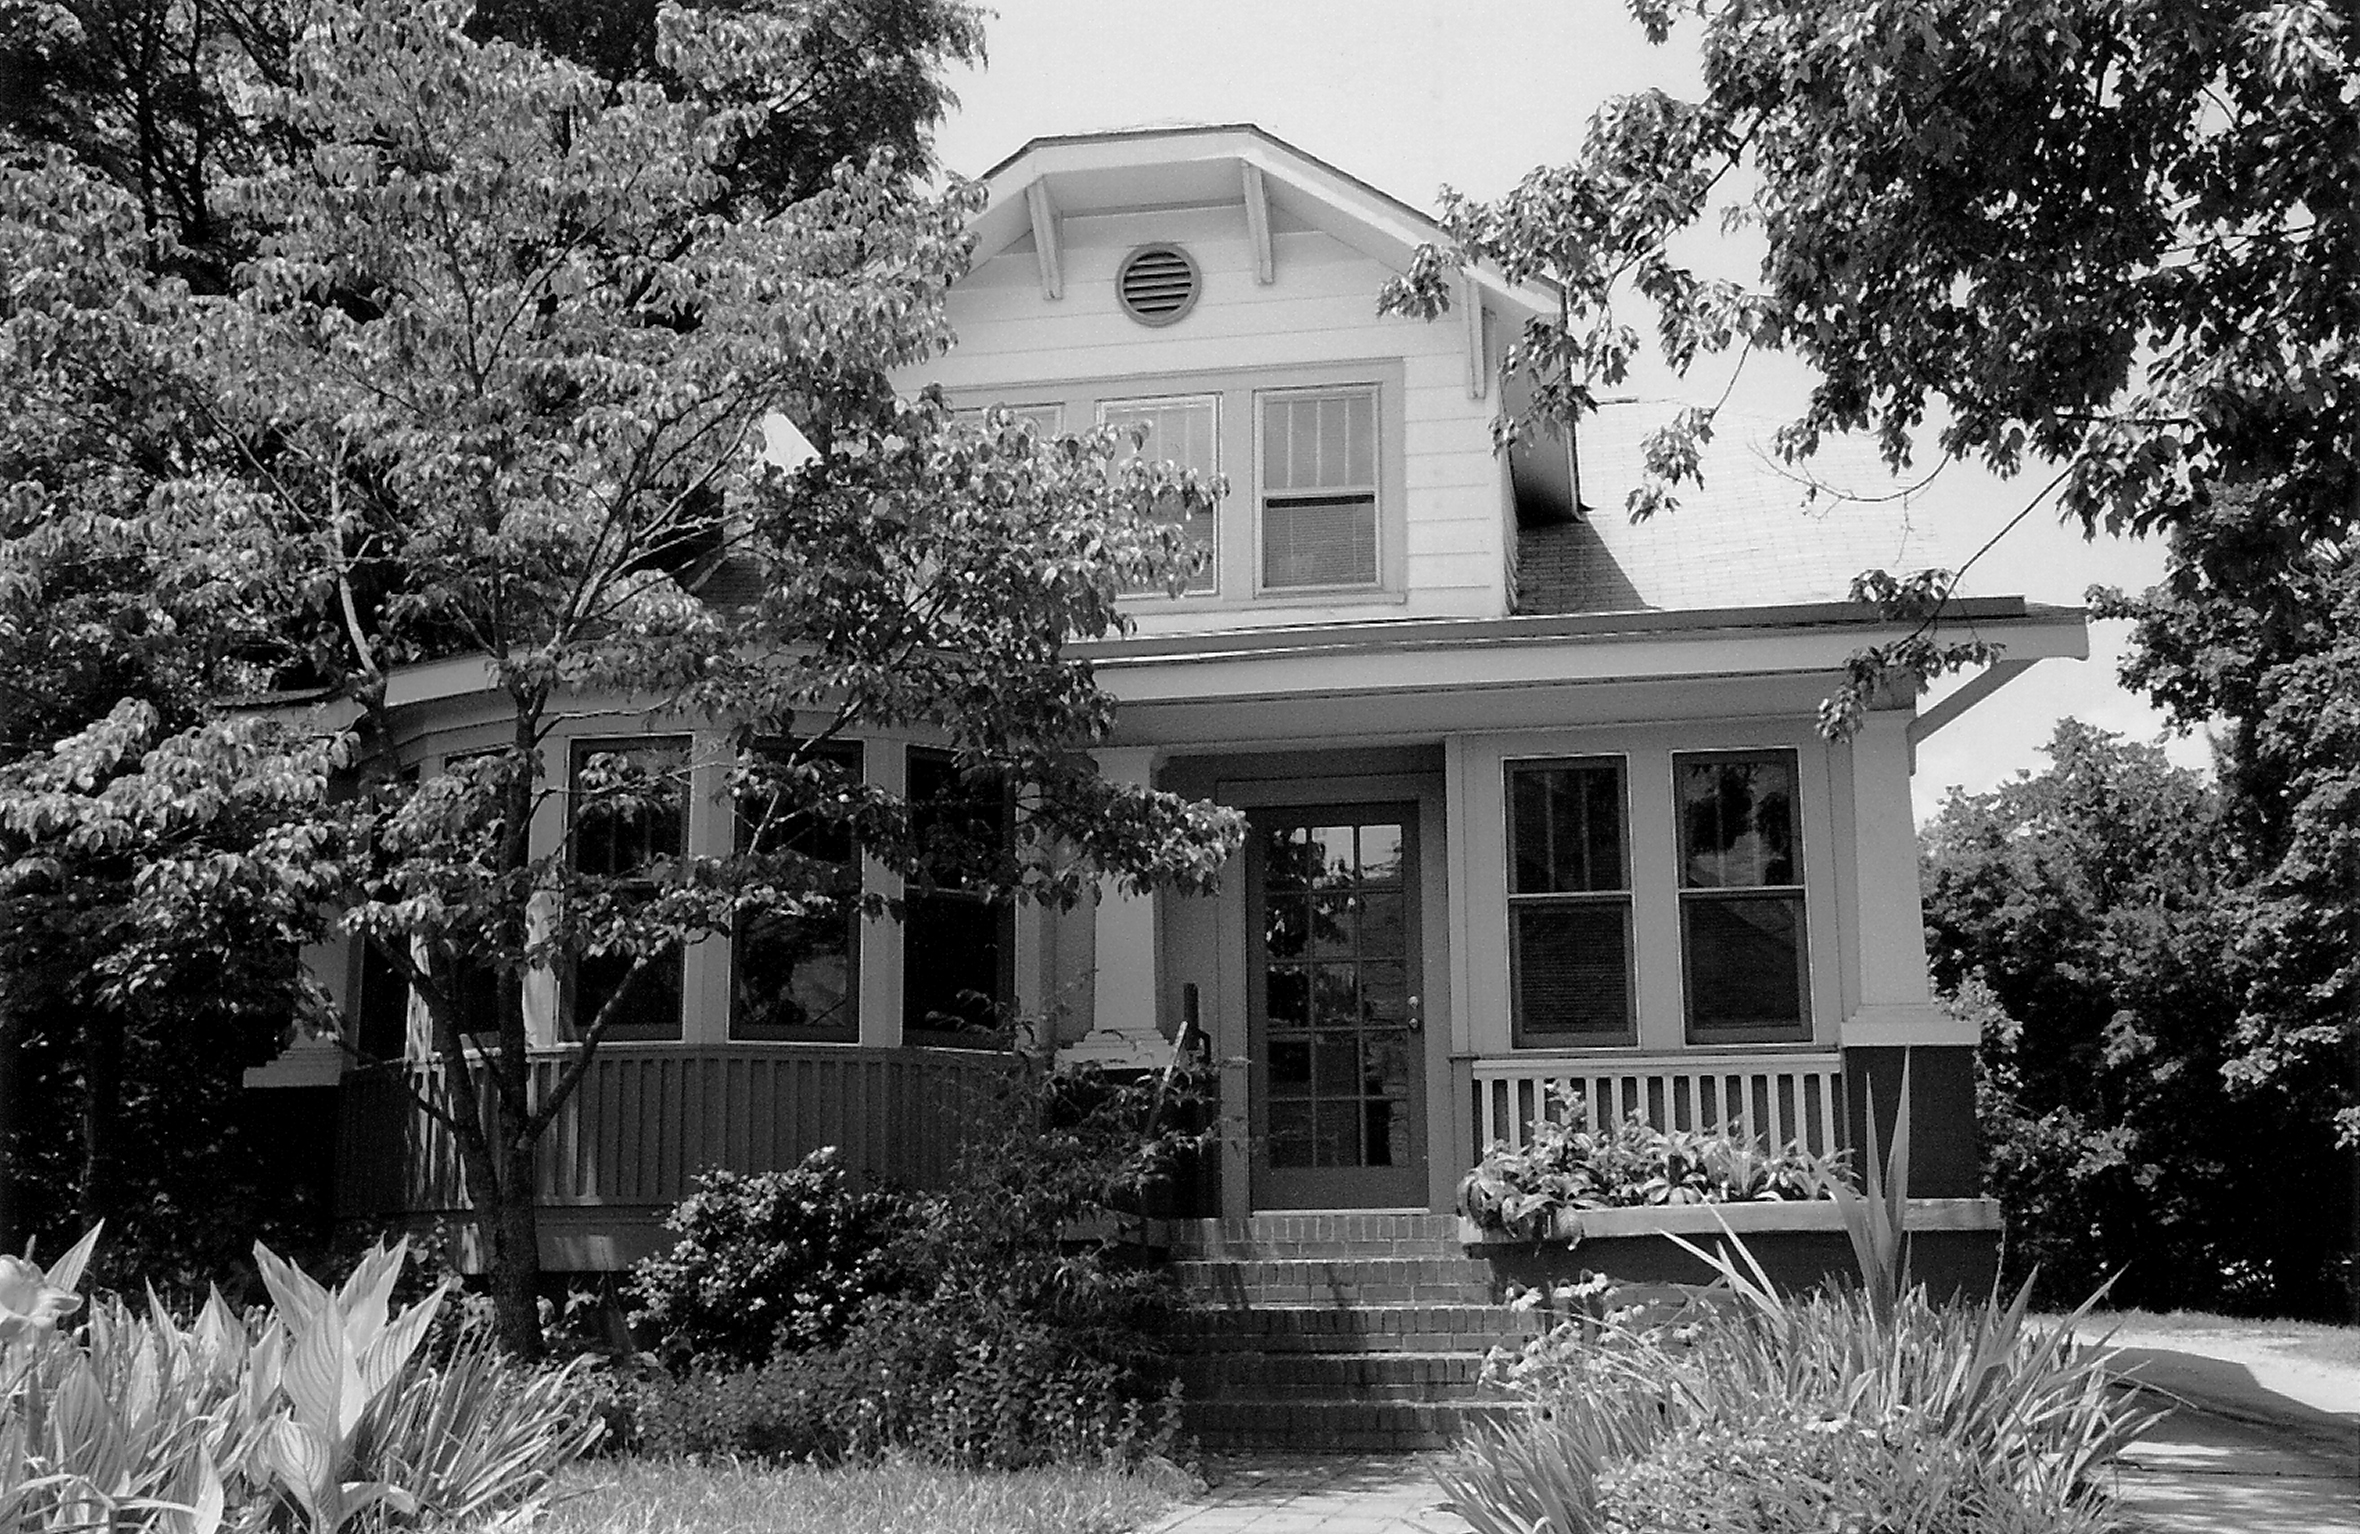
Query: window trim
point(1805, 1029)
point(856, 748)
point(1627, 898)
point(1212, 570)
point(1262, 399)
point(578, 747)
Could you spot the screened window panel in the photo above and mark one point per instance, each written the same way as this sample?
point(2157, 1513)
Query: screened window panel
point(382, 1018)
point(1565, 824)
point(1187, 434)
point(1323, 541)
point(1745, 963)
point(1573, 969)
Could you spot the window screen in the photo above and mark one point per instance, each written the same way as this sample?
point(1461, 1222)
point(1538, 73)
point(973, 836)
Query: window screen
point(1741, 897)
point(1185, 432)
point(1319, 488)
point(797, 977)
point(622, 834)
point(1569, 904)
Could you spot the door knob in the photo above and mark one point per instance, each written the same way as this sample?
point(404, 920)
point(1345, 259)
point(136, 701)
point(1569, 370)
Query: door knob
point(1414, 1018)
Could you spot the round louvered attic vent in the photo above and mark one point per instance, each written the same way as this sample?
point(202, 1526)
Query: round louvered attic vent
point(1157, 284)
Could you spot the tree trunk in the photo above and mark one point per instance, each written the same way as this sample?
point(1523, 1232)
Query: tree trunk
point(513, 1247)
point(102, 1091)
point(11, 1237)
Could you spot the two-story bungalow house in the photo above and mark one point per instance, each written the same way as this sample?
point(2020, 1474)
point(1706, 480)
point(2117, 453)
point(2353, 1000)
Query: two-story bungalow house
point(1535, 794)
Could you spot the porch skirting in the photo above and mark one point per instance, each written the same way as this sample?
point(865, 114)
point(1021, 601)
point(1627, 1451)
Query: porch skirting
point(646, 1119)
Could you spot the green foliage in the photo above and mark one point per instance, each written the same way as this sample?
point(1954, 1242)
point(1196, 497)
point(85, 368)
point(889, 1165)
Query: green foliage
point(1832, 1410)
point(2090, 918)
point(1009, 1341)
point(2115, 238)
point(494, 383)
point(318, 1415)
point(769, 1262)
point(1516, 1190)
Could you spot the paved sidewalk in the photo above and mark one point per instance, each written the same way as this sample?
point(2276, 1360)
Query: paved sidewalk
point(2197, 1473)
point(1343, 1494)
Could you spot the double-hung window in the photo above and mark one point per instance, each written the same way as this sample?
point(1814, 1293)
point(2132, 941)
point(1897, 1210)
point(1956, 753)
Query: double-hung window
point(630, 818)
point(1184, 430)
point(1318, 491)
point(1569, 904)
point(796, 977)
point(1742, 934)
point(958, 940)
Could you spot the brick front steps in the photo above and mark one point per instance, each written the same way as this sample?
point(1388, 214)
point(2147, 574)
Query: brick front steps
point(1309, 1332)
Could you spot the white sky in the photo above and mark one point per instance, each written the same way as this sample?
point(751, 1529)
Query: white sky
point(1411, 94)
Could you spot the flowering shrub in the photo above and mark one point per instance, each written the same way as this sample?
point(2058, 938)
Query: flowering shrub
point(769, 1262)
point(313, 1415)
point(1515, 1190)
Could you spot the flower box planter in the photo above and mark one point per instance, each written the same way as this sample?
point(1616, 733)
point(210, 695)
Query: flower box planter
point(1954, 1243)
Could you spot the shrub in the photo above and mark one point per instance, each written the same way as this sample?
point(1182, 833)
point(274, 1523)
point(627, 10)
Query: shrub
point(768, 1262)
point(1515, 1190)
point(1007, 1344)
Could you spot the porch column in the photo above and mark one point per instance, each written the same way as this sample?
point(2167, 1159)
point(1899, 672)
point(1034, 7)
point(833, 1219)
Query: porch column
point(1124, 989)
point(1897, 1014)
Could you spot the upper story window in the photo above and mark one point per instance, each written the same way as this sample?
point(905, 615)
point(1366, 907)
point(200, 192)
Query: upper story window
point(1318, 500)
point(1186, 431)
point(1741, 897)
point(797, 977)
point(958, 942)
point(629, 818)
point(1569, 904)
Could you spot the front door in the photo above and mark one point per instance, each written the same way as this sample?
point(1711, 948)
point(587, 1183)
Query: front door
point(1338, 1078)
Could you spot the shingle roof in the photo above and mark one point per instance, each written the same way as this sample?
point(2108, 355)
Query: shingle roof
point(1752, 535)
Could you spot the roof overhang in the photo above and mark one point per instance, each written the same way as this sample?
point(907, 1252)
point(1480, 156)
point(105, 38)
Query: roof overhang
point(1080, 175)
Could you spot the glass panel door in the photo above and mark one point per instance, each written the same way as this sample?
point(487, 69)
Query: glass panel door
point(1339, 1080)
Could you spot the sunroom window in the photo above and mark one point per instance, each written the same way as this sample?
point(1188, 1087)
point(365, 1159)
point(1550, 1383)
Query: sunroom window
point(958, 942)
point(1319, 488)
point(797, 977)
point(1186, 432)
point(1569, 904)
point(1741, 897)
point(623, 832)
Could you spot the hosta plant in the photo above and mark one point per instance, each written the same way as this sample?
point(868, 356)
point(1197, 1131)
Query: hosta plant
point(316, 1415)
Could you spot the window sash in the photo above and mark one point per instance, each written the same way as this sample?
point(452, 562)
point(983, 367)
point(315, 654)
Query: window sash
point(1605, 1012)
point(1185, 430)
point(1745, 953)
point(1320, 520)
point(939, 988)
point(658, 996)
point(817, 1011)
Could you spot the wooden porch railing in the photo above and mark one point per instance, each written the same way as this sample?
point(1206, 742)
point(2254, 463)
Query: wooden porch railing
point(647, 1118)
point(1772, 1098)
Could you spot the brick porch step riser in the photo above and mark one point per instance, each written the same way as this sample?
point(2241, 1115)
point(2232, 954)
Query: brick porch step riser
point(1315, 1236)
point(1461, 1326)
point(1303, 1425)
point(1337, 1376)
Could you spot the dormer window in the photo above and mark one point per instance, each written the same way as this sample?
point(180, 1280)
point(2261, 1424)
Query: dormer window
point(1186, 431)
point(1319, 488)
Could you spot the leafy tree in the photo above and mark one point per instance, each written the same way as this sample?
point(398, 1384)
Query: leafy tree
point(2086, 915)
point(493, 385)
point(2117, 238)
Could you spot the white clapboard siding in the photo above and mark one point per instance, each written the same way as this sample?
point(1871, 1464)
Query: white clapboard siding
point(1320, 311)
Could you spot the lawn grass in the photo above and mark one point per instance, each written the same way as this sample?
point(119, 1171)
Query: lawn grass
point(636, 1496)
point(2311, 1342)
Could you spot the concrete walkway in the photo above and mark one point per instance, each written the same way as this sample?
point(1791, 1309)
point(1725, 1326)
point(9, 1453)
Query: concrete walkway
point(2252, 1443)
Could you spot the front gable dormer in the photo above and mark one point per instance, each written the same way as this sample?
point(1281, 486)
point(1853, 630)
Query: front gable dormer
point(1220, 288)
